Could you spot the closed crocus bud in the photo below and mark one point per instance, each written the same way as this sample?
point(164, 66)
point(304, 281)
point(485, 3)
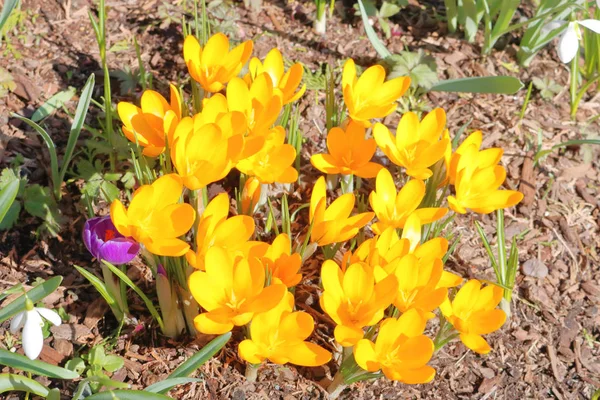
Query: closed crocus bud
point(104, 242)
point(250, 196)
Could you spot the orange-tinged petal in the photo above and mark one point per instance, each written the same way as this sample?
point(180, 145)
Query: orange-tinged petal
point(364, 354)
point(167, 247)
point(325, 163)
point(250, 352)
point(483, 322)
point(207, 325)
point(118, 216)
point(306, 354)
point(268, 298)
point(347, 336)
point(476, 343)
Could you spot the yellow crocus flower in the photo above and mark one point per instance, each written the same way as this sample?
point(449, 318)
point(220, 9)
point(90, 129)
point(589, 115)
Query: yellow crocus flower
point(214, 65)
point(334, 224)
point(417, 144)
point(279, 335)
point(260, 103)
point(283, 265)
point(215, 229)
point(350, 153)
point(285, 82)
point(231, 290)
point(273, 163)
point(152, 125)
point(473, 313)
point(401, 351)
point(353, 299)
point(155, 218)
point(485, 158)
point(201, 157)
point(477, 188)
point(369, 97)
point(393, 208)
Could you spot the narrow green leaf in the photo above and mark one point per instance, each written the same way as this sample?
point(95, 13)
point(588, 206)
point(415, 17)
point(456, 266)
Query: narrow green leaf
point(14, 382)
point(49, 144)
point(484, 84)
point(98, 285)
point(451, 14)
point(195, 361)
point(373, 38)
point(9, 6)
point(164, 386)
point(36, 367)
point(36, 294)
point(54, 103)
point(488, 249)
point(136, 289)
point(127, 395)
point(78, 120)
point(7, 196)
point(471, 22)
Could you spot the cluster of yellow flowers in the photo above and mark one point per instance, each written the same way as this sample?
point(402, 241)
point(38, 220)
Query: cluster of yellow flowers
point(382, 294)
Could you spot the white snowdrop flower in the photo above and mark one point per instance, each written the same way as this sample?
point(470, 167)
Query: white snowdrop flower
point(568, 45)
point(32, 323)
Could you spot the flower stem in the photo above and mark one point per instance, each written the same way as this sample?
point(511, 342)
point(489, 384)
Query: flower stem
point(251, 372)
point(337, 386)
point(347, 183)
point(574, 72)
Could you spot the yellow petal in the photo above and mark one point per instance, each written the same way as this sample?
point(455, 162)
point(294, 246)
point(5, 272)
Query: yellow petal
point(475, 343)
point(364, 354)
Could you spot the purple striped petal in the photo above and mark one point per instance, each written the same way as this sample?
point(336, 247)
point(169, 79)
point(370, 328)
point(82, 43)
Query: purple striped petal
point(119, 251)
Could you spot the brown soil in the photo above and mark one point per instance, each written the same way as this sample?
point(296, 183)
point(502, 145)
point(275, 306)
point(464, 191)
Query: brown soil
point(550, 348)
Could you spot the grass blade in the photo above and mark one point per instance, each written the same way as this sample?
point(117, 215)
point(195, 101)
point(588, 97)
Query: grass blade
point(9, 6)
point(36, 367)
point(14, 382)
point(488, 249)
point(139, 292)
point(8, 195)
point(98, 285)
point(36, 294)
point(195, 361)
point(78, 120)
point(51, 149)
point(164, 386)
point(373, 38)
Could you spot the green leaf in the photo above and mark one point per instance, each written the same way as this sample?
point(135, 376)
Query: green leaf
point(388, 9)
point(471, 20)
point(113, 363)
point(9, 6)
point(195, 361)
point(139, 292)
point(11, 216)
point(36, 367)
point(98, 285)
point(97, 356)
point(14, 382)
point(8, 194)
point(165, 385)
point(54, 103)
point(420, 67)
point(485, 84)
point(76, 364)
point(36, 294)
point(373, 38)
point(39, 202)
point(78, 120)
point(127, 395)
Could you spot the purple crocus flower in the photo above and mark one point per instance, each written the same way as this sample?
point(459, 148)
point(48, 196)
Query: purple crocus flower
point(104, 242)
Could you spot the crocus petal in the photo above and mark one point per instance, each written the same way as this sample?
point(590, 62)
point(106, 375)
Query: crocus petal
point(476, 343)
point(347, 336)
point(364, 354)
point(50, 315)
point(33, 338)
point(87, 235)
point(119, 250)
point(306, 354)
point(205, 324)
point(568, 46)
point(250, 352)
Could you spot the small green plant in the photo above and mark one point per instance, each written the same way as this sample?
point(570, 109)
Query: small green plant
point(547, 86)
point(94, 366)
point(382, 14)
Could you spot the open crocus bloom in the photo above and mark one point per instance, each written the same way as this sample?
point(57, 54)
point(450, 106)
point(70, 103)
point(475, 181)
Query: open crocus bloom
point(285, 82)
point(393, 208)
point(353, 299)
point(155, 218)
point(350, 153)
point(334, 224)
point(279, 335)
point(417, 144)
point(152, 125)
point(104, 242)
point(473, 313)
point(214, 65)
point(401, 351)
point(369, 96)
point(232, 291)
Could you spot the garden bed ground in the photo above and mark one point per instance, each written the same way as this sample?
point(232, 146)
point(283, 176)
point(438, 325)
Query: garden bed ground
point(550, 348)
